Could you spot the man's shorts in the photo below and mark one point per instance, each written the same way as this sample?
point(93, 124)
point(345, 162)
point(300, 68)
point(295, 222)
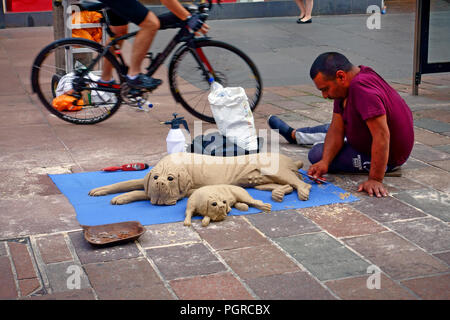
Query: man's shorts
point(121, 12)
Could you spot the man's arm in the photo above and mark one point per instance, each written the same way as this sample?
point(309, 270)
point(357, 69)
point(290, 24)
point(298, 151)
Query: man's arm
point(177, 9)
point(334, 141)
point(379, 156)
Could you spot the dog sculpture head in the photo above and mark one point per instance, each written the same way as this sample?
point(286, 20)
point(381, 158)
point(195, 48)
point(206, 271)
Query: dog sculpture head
point(166, 183)
point(213, 206)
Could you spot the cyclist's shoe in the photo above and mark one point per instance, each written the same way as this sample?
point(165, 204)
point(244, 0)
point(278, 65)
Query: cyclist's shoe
point(143, 81)
point(283, 128)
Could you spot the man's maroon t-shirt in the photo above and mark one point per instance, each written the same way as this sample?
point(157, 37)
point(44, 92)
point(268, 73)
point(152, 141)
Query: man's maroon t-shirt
point(370, 96)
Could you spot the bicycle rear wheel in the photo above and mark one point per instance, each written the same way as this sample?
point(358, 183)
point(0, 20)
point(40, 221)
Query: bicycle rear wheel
point(55, 73)
point(231, 68)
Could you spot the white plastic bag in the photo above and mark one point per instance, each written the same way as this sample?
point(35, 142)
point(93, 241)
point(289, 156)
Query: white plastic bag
point(233, 115)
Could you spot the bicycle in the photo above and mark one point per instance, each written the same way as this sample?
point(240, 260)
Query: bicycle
point(196, 63)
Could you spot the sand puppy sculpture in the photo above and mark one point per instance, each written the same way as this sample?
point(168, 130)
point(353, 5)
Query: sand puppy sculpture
point(214, 203)
point(177, 175)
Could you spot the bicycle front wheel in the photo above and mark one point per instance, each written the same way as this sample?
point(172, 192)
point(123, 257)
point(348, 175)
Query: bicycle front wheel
point(55, 77)
point(228, 66)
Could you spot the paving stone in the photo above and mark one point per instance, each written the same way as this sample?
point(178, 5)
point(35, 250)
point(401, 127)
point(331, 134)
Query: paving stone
point(167, 234)
point(427, 153)
point(289, 286)
point(444, 148)
point(291, 105)
point(433, 202)
point(285, 91)
point(432, 125)
point(22, 260)
point(443, 164)
point(7, 284)
point(444, 256)
point(3, 249)
point(398, 184)
point(88, 253)
point(185, 261)
point(323, 256)
point(219, 286)
point(412, 163)
point(431, 288)
point(53, 248)
point(28, 286)
point(395, 256)
point(386, 209)
point(341, 220)
point(284, 223)
point(83, 294)
point(267, 109)
point(430, 138)
point(62, 276)
point(231, 233)
point(428, 233)
point(356, 289)
point(129, 279)
point(260, 261)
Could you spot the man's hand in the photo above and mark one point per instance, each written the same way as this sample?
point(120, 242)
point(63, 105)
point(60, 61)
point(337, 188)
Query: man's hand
point(318, 169)
point(373, 187)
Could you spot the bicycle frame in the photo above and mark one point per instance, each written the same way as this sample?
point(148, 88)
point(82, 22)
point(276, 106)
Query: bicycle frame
point(183, 35)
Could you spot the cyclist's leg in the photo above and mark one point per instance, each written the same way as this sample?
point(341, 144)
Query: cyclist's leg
point(119, 26)
point(149, 24)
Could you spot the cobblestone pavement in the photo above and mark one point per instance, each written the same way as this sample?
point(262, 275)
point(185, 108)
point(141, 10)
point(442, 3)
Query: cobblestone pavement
point(315, 253)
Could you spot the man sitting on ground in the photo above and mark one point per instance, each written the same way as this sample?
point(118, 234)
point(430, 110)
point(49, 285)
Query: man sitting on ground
point(371, 129)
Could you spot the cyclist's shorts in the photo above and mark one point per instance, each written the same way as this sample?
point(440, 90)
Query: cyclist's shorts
point(121, 12)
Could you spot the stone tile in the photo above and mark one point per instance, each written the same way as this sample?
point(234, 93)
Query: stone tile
point(267, 109)
point(291, 105)
point(88, 253)
point(430, 201)
point(28, 286)
point(398, 184)
point(185, 261)
point(428, 233)
point(386, 209)
point(22, 259)
point(356, 289)
point(444, 148)
point(444, 256)
point(427, 153)
point(284, 223)
point(289, 286)
point(395, 256)
point(167, 234)
point(430, 138)
point(3, 249)
point(231, 233)
point(341, 220)
point(285, 91)
point(323, 256)
point(219, 286)
point(260, 261)
point(53, 248)
point(8, 288)
point(443, 164)
point(432, 125)
point(127, 279)
point(61, 276)
point(412, 163)
point(84, 294)
point(431, 288)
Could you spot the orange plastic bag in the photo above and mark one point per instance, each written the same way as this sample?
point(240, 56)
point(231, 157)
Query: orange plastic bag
point(65, 102)
point(94, 34)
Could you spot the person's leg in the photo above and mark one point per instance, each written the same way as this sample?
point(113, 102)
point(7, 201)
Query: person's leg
point(308, 10)
point(142, 42)
point(107, 75)
point(308, 135)
point(302, 8)
point(347, 160)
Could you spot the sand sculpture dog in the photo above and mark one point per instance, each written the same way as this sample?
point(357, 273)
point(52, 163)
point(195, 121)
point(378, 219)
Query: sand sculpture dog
point(177, 176)
point(214, 202)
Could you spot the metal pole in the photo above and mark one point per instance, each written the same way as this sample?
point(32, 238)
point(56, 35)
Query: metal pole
point(417, 45)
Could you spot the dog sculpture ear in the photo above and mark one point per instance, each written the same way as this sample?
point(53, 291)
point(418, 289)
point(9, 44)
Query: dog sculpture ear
point(147, 181)
point(184, 182)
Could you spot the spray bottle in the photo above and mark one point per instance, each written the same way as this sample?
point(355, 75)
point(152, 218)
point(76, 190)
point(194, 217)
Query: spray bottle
point(176, 142)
